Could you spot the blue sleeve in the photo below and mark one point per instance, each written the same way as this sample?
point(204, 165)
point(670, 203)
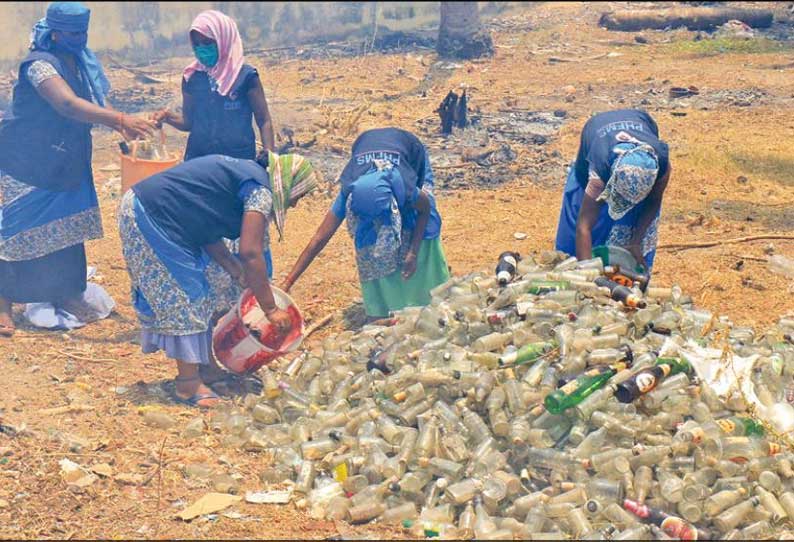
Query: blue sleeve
point(338, 208)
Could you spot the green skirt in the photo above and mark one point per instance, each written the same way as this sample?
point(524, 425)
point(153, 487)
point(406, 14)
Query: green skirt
point(392, 293)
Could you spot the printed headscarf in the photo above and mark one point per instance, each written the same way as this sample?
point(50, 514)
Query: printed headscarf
point(634, 173)
point(374, 198)
point(291, 177)
point(223, 30)
point(72, 17)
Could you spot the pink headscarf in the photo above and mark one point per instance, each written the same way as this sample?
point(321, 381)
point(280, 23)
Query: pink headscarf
point(223, 30)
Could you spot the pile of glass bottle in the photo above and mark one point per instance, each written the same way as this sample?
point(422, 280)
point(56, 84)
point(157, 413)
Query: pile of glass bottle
point(540, 409)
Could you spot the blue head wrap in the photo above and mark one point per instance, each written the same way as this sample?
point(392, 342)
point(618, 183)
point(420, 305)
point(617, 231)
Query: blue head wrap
point(371, 198)
point(68, 16)
point(72, 17)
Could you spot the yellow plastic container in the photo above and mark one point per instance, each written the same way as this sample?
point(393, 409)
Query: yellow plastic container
point(134, 169)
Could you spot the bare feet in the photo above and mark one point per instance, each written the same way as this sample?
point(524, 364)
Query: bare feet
point(7, 327)
point(80, 309)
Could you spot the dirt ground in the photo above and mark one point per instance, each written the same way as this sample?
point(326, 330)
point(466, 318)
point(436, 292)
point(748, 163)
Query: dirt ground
point(733, 176)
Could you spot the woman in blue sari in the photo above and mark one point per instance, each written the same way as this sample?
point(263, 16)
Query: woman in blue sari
point(614, 191)
point(173, 226)
point(48, 204)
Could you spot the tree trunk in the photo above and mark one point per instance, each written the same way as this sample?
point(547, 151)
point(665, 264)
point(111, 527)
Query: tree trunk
point(460, 34)
point(691, 18)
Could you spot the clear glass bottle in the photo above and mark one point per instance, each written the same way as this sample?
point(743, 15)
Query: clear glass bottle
point(735, 515)
point(463, 491)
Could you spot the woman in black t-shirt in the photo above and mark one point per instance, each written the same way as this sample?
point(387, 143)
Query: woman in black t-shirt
point(613, 195)
point(173, 227)
point(221, 94)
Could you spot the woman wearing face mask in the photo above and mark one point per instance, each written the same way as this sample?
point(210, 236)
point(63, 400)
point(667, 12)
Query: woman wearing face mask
point(48, 204)
point(220, 94)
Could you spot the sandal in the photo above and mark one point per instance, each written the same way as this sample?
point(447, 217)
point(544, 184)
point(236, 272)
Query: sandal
point(196, 398)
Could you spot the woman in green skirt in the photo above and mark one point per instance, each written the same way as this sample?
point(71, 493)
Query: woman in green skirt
point(387, 198)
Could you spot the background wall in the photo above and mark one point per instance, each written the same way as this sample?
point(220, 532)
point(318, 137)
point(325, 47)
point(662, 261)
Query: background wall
point(145, 30)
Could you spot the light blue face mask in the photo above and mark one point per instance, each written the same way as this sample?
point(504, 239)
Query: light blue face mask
point(206, 54)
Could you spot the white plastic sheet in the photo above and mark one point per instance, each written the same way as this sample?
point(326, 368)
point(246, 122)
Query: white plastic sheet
point(733, 377)
point(45, 315)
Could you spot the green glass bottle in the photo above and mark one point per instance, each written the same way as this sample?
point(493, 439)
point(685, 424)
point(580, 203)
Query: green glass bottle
point(527, 354)
point(741, 426)
point(576, 391)
point(538, 287)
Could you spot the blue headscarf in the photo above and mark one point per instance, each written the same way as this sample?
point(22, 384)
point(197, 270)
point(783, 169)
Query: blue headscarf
point(72, 17)
point(372, 197)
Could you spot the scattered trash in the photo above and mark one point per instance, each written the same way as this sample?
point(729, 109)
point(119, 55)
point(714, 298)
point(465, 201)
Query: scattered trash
point(102, 469)
point(66, 409)
point(781, 265)
point(194, 428)
point(276, 496)
point(129, 479)
point(735, 29)
point(75, 475)
point(159, 419)
point(208, 504)
point(683, 92)
point(223, 483)
point(520, 236)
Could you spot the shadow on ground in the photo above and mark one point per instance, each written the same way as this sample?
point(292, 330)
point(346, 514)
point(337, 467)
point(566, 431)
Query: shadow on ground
point(774, 168)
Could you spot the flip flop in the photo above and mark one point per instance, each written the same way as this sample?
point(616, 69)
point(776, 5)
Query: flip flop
point(194, 400)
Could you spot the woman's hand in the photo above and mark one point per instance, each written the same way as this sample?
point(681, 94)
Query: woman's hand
point(281, 319)
point(135, 127)
point(409, 265)
point(159, 117)
point(286, 285)
point(237, 273)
